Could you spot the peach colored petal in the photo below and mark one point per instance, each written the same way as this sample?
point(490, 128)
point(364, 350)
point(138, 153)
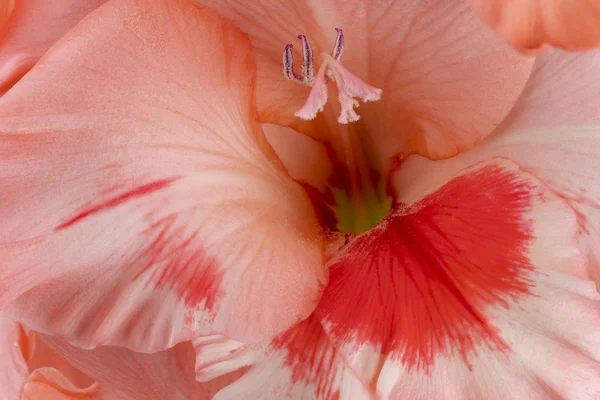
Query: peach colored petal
point(50, 384)
point(446, 81)
point(533, 24)
point(138, 205)
point(13, 365)
point(31, 371)
point(128, 375)
point(305, 159)
point(562, 92)
point(34, 27)
point(6, 8)
point(51, 367)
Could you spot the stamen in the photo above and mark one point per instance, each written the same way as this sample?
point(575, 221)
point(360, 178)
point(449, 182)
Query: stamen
point(338, 48)
point(308, 68)
point(349, 85)
point(288, 65)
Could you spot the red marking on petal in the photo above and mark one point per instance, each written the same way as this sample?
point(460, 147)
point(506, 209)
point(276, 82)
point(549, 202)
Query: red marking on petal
point(175, 260)
point(118, 200)
point(170, 256)
point(417, 285)
point(310, 356)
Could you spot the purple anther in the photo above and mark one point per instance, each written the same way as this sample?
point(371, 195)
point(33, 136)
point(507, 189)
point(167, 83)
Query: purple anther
point(308, 66)
point(338, 48)
point(288, 64)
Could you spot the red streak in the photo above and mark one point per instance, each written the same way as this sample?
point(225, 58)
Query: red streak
point(418, 285)
point(116, 201)
point(311, 357)
point(170, 256)
point(174, 259)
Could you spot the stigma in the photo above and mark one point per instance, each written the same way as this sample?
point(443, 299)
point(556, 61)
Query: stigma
point(350, 87)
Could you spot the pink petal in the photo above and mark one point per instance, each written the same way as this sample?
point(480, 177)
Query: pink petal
point(552, 132)
point(298, 364)
point(29, 370)
point(138, 206)
point(127, 375)
point(33, 28)
point(554, 336)
point(533, 24)
point(447, 82)
point(49, 384)
point(421, 292)
point(305, 159)
point(562, 92)
point(13, 365)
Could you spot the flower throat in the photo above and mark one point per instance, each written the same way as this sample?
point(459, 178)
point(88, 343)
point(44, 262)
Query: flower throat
point(356, 197)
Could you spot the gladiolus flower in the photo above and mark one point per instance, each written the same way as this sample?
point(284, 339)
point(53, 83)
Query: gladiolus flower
point(404, 208)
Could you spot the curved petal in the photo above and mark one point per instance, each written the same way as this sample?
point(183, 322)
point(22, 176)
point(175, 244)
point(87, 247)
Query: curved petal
point(50, 384)
point(300, 363)
point(138, 206)
point(415, 300)
point(561, 93)
point(13, 366)
point(31, 371)
point(34, 27)
point(446, 81)
point(305, 159)
point(554, 338)
point(534, 24)
point(49, 368)
point(552, 132)
point(128, 375)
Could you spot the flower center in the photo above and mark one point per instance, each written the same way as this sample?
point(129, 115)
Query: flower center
point(356, 194)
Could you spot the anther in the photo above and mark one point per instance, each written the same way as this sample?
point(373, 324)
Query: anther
point(288, 65)
point(308, 67)
point(338, 47)
point(349, 85)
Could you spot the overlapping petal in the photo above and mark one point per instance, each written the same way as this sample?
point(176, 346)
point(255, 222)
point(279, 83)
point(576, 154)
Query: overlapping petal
point(29, 370)
point(13, 367)
point(475, 283)
point(553, 133)
point(34, 26)
point(534, 24)
point(446, 81)
point(139, 204)
point(300, 363)
point(123, 374)
point(553, 334)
